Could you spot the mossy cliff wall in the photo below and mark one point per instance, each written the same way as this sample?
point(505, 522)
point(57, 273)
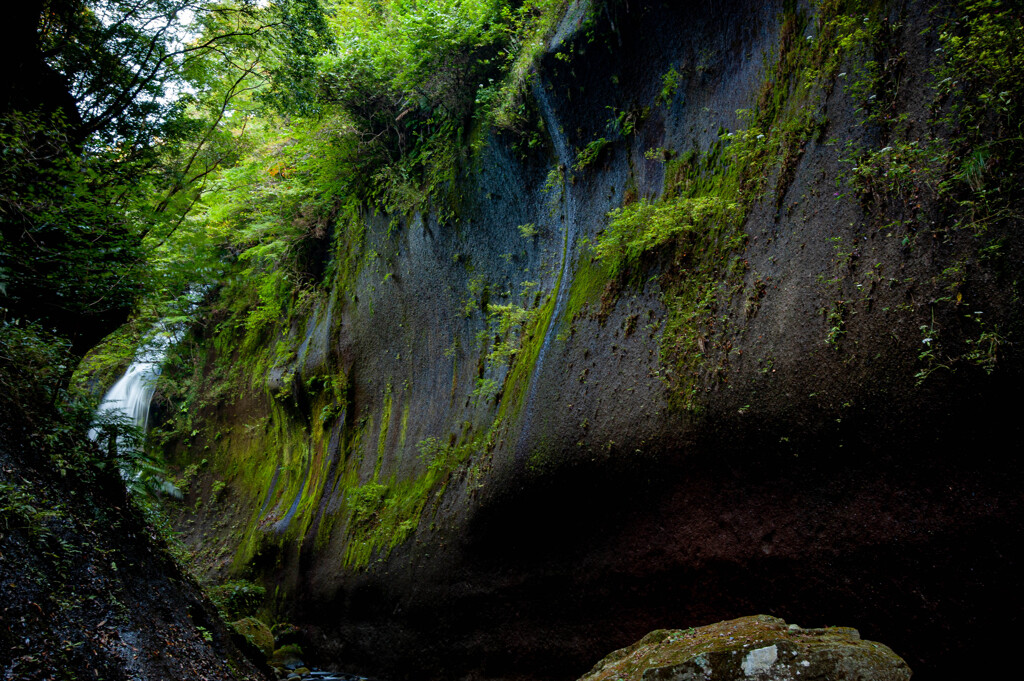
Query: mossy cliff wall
point(778, 377)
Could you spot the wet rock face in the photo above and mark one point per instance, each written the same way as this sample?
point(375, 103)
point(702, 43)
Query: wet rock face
point(832, 475)
point(758, 647)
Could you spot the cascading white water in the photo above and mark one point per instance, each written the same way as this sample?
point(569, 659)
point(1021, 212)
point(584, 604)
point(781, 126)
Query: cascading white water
point(133, 392)
point(130, 396)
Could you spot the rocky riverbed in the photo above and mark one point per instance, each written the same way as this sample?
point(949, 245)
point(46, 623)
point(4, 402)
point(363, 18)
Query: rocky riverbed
point(315, 675)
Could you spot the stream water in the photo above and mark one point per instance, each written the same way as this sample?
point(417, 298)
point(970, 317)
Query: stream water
point(319, 675)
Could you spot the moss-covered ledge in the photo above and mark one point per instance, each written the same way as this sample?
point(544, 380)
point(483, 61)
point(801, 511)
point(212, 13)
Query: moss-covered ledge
point(756, 647)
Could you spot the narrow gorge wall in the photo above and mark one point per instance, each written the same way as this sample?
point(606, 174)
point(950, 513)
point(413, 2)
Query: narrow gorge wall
point(483, 451)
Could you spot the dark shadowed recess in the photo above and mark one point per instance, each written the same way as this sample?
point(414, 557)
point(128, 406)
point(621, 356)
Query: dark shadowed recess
point(905, 539)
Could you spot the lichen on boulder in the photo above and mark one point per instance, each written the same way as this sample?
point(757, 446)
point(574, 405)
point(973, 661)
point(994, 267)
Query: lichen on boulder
point(257, 633)
point(758, 647)
point(287, 656)
point(286, 633)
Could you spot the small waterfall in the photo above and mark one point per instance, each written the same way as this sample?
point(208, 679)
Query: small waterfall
point(132, 393)
point(130, 396)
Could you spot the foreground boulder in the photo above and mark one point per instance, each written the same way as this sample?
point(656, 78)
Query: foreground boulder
point(758, 647)
point(257, 633)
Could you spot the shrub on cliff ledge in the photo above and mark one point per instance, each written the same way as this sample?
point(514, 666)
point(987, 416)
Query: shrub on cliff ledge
point(646, 226)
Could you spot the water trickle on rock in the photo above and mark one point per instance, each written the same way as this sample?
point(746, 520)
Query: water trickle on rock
point(564, 157)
